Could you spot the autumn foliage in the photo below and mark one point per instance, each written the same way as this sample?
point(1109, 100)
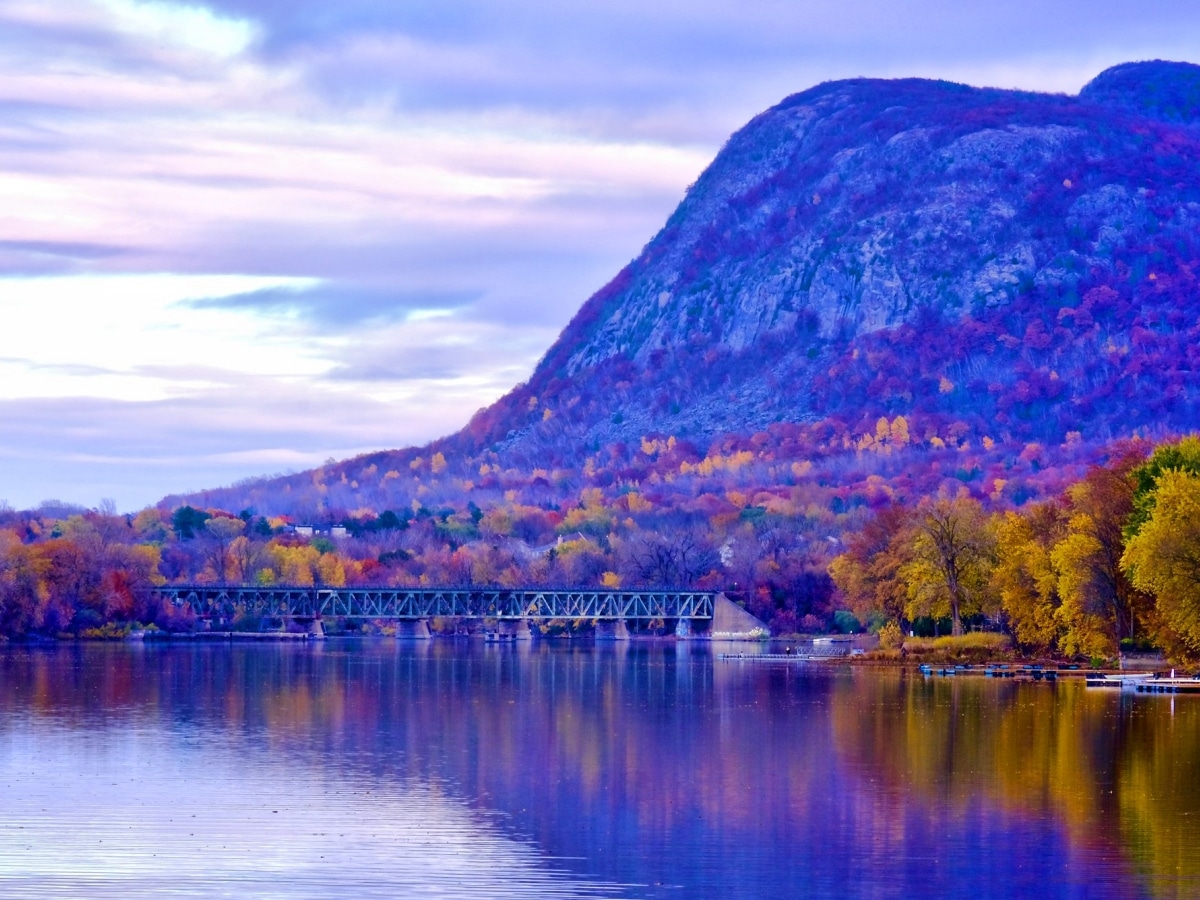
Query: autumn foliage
point(1086, 565)
point(1110, 564)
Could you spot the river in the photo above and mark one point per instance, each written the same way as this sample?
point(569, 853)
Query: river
point(380, 768)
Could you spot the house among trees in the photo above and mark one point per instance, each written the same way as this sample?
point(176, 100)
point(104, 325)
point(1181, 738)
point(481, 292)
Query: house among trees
point(330, 531)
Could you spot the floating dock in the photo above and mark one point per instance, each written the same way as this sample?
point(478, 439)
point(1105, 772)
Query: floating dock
point(1116, 682)
point(1020, 673)
point(1161, 686)
point(229, 636)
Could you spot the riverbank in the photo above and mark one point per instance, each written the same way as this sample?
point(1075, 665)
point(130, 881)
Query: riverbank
point(976, 649)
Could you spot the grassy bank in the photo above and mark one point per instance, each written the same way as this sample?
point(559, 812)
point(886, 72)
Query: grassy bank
point(974, 647)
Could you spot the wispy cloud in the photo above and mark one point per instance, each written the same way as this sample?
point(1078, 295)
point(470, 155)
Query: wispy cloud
point(341, 306)
point(72, 250)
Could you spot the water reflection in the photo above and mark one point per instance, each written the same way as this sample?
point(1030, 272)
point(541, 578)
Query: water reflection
point(1120, 774)
point(631, 770)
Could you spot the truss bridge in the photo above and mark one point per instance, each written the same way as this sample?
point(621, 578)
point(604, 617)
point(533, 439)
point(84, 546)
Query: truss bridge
point(216, 602)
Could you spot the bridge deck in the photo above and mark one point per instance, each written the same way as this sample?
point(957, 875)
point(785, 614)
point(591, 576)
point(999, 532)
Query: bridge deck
point(292, 602)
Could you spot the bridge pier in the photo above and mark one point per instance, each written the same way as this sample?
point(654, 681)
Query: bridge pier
point(413, 630)
point(518, 628)
point(732, 622)
point(683, 628)
point(612, 630)
point(316, 629)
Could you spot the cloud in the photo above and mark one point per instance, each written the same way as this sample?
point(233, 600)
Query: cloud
point(137, 452)
point(340, 306)
point(112, 328)
point(34, 257)
point(72, 250)
point(57, 368)
point(421, 354)
point(602, 65)
point(192, 26)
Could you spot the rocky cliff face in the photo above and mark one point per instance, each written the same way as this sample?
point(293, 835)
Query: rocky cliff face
point(851, 207)
point(864, 208)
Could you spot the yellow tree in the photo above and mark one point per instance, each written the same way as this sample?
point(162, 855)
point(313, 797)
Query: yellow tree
point(295, 565)
point(1183, 456)
point(1100, 607)
point(1025, 577)
point(1163, 558)
point(953, 556)
point(330, 570)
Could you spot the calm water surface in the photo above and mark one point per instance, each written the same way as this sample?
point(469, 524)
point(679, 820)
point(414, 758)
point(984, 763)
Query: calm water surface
point(451, 769)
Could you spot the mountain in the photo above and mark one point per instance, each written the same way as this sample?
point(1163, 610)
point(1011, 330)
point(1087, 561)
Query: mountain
point(909, 266)
point(861, 241)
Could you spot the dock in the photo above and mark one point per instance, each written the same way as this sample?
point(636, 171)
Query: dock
point(229, 637)
point(1019, 673)
point(1161, 686)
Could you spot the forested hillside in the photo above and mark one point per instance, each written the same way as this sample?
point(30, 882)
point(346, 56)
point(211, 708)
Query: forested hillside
point(1106, 564)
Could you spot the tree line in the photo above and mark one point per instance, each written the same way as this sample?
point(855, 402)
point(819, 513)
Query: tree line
point(1110, 564)
point(1093, 563)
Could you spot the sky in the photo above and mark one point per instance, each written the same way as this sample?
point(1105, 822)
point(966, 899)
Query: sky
point(247, 236)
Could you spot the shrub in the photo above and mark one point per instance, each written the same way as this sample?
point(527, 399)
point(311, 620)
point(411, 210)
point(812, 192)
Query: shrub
point(975, 646)
point(891, 637)
point(974, 640)
point(109, 631)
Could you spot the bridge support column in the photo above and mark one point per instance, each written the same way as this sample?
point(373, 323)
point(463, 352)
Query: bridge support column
point(612, 630)
point(732, 622)
point(316, 629)
point(683, 628)
point(518, 628)
point(413, 630)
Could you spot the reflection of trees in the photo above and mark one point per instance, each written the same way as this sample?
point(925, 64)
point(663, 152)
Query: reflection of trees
point(615, 743)
point(1112, 769)
point(638, 745)
point(1159, 789)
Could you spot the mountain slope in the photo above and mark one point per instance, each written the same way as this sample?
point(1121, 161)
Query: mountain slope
point(860, 212)
point(994, 267)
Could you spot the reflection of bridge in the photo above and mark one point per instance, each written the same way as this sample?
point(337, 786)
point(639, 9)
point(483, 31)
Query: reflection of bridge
point(222, 603)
